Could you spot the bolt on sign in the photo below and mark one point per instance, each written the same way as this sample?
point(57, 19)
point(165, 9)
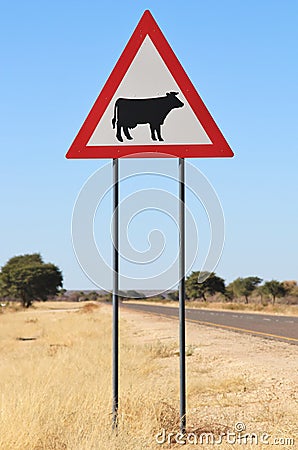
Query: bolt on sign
point(149, 105)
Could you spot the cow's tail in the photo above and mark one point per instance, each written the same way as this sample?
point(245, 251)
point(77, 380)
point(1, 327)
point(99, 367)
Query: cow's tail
point(115, 114)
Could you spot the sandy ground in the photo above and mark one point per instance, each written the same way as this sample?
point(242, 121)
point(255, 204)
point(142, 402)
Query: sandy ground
point(231, 377)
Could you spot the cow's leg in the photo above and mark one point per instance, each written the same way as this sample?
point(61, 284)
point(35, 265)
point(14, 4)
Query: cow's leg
point(158, 133)
point(118, 135)
point(152, 129)
point(126, 132)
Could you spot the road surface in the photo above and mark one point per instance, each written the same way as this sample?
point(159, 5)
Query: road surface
point(284, 328)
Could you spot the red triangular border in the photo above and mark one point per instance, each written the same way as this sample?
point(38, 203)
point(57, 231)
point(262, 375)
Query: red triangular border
point(148, 26)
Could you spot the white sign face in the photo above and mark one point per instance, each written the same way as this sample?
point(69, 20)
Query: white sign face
point(148, 78)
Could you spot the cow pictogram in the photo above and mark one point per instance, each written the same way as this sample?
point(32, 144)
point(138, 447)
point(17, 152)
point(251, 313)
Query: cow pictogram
point(128, 113)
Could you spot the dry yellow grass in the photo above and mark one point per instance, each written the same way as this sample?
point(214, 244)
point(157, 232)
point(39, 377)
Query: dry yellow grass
point(56, 385)
point(56, 389)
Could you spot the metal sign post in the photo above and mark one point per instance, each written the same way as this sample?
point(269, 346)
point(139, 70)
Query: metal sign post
point(115, 292)
point(182, 294)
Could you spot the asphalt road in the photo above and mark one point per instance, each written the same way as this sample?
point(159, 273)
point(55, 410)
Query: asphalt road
point(283, 328)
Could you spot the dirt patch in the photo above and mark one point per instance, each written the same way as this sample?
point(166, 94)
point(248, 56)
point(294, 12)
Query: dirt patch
point(89, 307)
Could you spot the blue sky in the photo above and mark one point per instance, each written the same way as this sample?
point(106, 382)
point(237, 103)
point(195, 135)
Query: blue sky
point(242, 58)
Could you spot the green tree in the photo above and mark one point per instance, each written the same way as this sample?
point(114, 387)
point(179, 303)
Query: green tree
point(243, 287)
point(274, 289)
point(211, 285)
point(27, 278)
point(229, 293)
point(173, 295)
point(2, 289)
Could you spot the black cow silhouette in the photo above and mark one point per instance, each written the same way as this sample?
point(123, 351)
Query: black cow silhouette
point(128, 113)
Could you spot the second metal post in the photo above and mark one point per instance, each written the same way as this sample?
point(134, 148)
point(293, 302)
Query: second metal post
point(115, 292)
point(182, 294)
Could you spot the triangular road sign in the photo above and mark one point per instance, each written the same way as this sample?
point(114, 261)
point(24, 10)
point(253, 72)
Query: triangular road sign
point(149, 105)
